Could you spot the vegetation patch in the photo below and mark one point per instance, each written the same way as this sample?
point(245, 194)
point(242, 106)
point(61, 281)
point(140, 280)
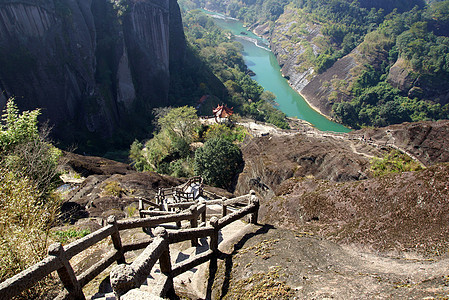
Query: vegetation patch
point(113, 188)
point(261, 286)
point(28, 206)
point(262, 249)
point(183, 147)
point(394, 162)
point(416, 43)
point(218, 162)
point(69, 235)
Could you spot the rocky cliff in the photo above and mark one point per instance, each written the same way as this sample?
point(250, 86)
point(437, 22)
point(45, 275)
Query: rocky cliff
point(94, 67)
point(312, 181)
point(294, 39)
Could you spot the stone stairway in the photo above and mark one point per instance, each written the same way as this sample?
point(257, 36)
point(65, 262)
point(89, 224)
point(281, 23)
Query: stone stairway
point(192, 281)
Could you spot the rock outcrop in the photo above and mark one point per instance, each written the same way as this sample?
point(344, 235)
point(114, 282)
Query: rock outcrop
point(275, 158)
point(270, 160)
point(413, 85)
point(398, 212)
point(427, 141)
point(94, 67)
point(111, 188)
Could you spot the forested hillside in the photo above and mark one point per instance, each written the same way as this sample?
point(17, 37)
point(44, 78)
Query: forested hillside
point(223, 57)
point(364, 63)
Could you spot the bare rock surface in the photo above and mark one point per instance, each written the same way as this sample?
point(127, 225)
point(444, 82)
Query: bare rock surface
point(428, 141)
point(270, 160)
point(397, 212)
point(113, 188)
point(271, 263)
point(329, 236)
point(93, 165)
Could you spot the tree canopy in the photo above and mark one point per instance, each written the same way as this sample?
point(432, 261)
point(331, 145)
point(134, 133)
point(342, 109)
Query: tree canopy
point(218, 162)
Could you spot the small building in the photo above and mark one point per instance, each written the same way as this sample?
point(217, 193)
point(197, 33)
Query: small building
point(222, 113)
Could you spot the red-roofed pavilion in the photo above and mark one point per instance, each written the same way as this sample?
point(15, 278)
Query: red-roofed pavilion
point(222, 113)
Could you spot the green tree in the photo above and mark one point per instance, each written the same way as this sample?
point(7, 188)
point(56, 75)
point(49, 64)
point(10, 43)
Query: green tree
point(177, 129)
point(269, 97)
point(218, 162)
point(17, 128)
point(27, 151)
point(181, 121)
point(137, 157)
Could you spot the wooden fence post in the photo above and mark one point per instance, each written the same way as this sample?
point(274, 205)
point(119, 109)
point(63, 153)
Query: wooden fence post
point(115, 236)
point(194, 222)
point(200, 191)
point(214, 237)
point(175, 197)
point(165, 263)
point(160, 199)
point(178, 223)
point(203, 214)
point(224, 207)
point(66, 273)
point(141, 207)
point(253, 199)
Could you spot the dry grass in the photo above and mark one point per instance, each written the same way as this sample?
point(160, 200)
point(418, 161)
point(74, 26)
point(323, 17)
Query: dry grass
point(261, 286)
point(25, 221)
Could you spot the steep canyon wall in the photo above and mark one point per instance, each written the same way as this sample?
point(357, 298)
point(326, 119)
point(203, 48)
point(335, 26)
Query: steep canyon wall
point(93, 66)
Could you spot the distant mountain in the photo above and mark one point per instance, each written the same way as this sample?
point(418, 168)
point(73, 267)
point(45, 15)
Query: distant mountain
point(364, 63)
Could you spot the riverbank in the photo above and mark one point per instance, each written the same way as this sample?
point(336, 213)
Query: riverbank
point(315, 108)
point(266, 67)
point(262, 32)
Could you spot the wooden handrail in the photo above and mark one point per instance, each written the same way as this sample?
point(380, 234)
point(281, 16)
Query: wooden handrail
point(192, 262)
point(82, 244)
point(152, 221)
point(13, 286)
point(88, 275)
point(188, 234)
point(251, 208)
point(126, 277)
point(59, 256)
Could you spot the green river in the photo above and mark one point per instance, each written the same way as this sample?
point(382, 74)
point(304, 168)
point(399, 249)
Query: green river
point(262, 61)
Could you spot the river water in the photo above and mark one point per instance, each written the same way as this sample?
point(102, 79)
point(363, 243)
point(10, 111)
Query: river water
point(262, 61)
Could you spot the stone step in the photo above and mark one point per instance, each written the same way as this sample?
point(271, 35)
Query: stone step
point(135, 294)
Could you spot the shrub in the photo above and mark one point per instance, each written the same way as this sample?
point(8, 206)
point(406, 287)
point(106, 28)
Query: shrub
point(28, 173)
point(394, 162)
point(27, 151)
point(113, 188)
point(226, 131)
point(218, 162)
point(17, 128)
point(25, 222)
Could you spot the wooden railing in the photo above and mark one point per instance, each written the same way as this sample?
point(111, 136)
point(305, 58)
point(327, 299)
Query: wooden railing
point(193, 180)
point(127, 277)
point(59, 256)
point(58, 260)
point(179, 193)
